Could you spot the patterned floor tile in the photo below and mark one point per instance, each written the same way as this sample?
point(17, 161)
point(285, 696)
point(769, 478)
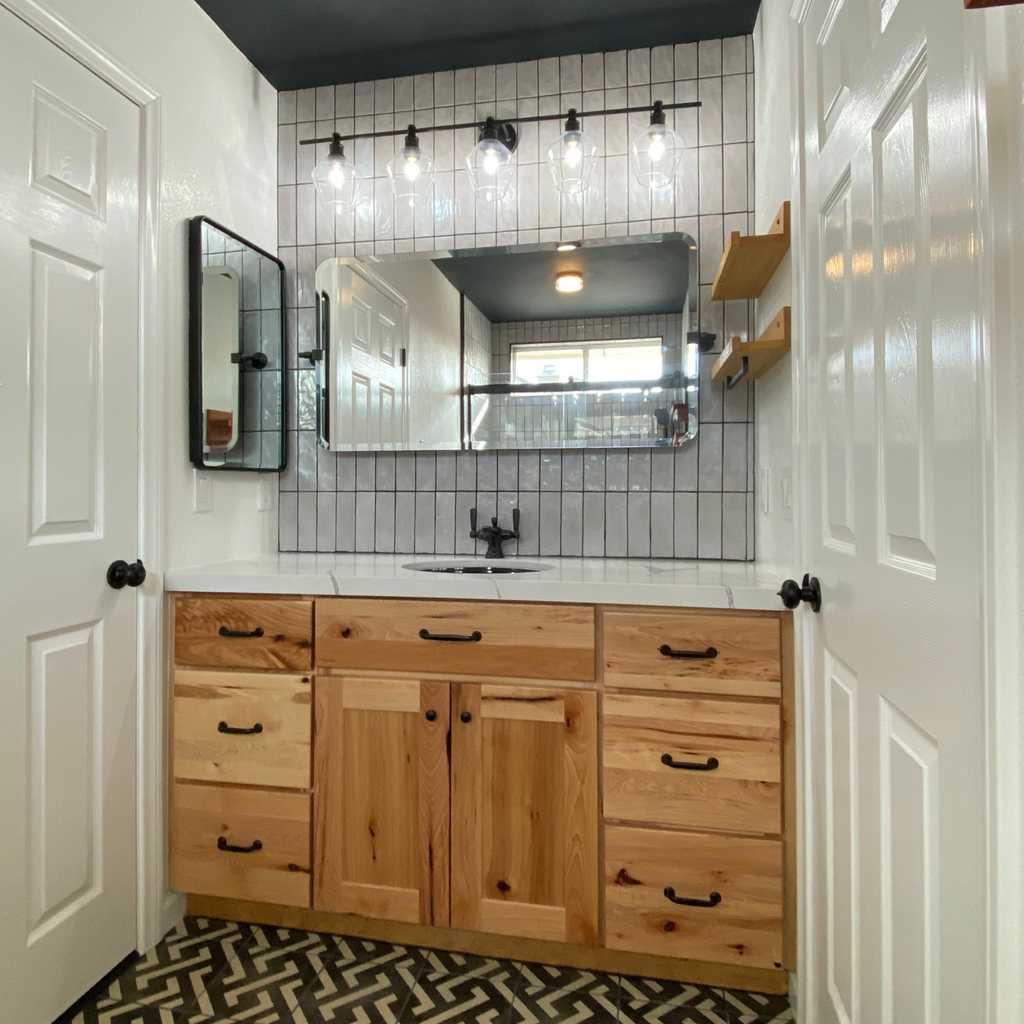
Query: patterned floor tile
point(458, 988)
point(757, 1008)
point(262, 985)
point(363, 982)
point(653, 1000)
point(172, 973)
point(123, 1014)
point(546, 994)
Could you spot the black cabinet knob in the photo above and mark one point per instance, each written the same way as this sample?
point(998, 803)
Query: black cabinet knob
point(121, 574)
point(465, 717)
point(431, 715)
point(792, 593)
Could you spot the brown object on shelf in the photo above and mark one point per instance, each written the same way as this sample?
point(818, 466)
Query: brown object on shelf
point(975, 4)
point(761, 355)
point(750, 260)
point(218, 428)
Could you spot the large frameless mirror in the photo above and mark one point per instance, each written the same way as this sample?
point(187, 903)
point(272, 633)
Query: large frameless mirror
point(572, 345)
point(236, 379)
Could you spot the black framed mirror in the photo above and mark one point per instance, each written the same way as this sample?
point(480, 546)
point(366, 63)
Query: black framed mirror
point(237, 382)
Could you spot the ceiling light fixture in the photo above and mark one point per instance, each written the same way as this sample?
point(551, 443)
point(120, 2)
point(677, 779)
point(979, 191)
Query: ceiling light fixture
point(569, 282)
point(572, 158)
point(411, 172)
point(655, 152)
point(568, 246)
point(335, 178)
point(490, 161)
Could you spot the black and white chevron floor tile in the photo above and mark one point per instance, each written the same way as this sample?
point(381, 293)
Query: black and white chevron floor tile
point(216, 972)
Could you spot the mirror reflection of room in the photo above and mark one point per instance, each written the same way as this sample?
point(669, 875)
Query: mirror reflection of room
point(569, 345)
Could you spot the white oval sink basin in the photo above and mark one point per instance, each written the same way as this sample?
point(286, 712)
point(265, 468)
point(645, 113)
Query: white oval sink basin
point(478, 567)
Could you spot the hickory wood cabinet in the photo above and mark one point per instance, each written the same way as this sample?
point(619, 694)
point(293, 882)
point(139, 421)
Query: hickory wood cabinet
point(599, 786)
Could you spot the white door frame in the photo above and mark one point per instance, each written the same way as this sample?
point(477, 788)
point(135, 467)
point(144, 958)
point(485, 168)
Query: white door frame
point(1002, 607)
point(156, 910)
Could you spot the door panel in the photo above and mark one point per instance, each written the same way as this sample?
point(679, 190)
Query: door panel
point(893, 514)
point(381, 799)
point(524, 812)
point(69, 279)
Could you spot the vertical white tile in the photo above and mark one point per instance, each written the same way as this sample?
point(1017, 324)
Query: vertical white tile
point(384, 527)
point(547, 77)
point(734, 457)
point(662, 524)
point(307, 520)
point(734, 526)
point(445, 524)
point(366, 517)
point(638, 524)
point(344, 100)
point(345, 521)
point(709, 116)
point(663, 469)
point(686, 60)
point(405, 522)
point(709, 57)
point(662, 64)
point(709, 440)
point(710, 158)
point(550, 522)
point(526, 78)
point(709, 525)
point(617, 469)
point(593, 524)
point(685, 530)
point(734, 108)
point(639, 469)
point(734, 178)
point(734, 55)
point(593, 71)
point(287, 521)
point(326, 514)
point(615, 525)
point(286, 108)
point(572, 525)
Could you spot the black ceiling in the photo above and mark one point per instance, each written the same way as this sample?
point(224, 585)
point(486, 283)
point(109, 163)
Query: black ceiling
point(618, 280)
point(303, 43)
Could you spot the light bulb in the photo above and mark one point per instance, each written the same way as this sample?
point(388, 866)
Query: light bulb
point(656, 150)
point(411, 170)
point(336, 174)
point(573, 153)
point(491, 162)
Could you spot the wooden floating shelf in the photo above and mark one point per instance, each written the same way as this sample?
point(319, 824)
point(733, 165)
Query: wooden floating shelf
point(750, 260)
point(752, 358)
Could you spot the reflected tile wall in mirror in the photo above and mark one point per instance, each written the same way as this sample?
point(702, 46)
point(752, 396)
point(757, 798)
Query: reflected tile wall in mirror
point(694, 502)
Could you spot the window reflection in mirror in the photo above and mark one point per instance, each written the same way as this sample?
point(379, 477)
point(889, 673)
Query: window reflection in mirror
point(485, 349)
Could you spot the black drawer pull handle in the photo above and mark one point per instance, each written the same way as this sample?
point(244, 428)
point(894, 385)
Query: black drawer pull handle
point(685, 901)
point(223, 844)
point(431, 715)
point(711, 652)
point(233, 731)
point(224, 631)
point(691, 766)
point(473, 637)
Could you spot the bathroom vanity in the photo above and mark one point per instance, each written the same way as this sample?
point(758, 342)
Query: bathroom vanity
point(591, 765)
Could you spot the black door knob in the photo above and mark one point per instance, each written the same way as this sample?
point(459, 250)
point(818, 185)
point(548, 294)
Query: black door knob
point(121, 574)
point(431, 715)
point(792, 593)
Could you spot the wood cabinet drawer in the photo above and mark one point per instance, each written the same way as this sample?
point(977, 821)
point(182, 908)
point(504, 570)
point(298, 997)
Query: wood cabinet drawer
point(243, 727)
point(696, 652)
point(742, 878)
point(530, 641)
point(725, 771)
point(241, 632)
point(211, 826)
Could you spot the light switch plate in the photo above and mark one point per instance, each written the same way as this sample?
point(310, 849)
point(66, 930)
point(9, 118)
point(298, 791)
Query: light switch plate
point(265, 492)
point(202, 492)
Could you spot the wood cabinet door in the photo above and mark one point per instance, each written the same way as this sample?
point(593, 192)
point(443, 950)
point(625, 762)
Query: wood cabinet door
point(381, 799)
point(525, 812)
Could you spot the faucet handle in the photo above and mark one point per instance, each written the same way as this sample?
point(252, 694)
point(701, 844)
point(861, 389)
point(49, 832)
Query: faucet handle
point(472, 520)
point(515, 521)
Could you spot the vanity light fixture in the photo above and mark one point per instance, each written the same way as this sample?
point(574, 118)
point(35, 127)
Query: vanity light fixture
point(572, 158)
point(654, 155)
point(655, 152)
point(335, 178)
point(411, 172)
point(569, 282)
point(489, 162)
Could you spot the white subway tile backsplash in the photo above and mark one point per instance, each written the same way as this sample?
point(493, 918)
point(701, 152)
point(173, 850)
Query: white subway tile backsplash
point(617, 503)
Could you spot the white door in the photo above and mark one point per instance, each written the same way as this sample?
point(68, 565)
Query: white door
point(69, 281)
point(893, 514)
point(368, 324)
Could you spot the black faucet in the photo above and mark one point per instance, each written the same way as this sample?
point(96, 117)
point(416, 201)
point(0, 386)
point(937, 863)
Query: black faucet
point(494, 534)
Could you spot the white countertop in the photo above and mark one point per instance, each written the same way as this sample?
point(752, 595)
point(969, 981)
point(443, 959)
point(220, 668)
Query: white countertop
point(688, 584)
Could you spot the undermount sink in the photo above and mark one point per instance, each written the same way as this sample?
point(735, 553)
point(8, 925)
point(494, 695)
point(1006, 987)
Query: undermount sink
point(477, 568)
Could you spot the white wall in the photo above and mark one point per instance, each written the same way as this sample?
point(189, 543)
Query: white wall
point(435, 348)
point(773, 413)
point(219, 158)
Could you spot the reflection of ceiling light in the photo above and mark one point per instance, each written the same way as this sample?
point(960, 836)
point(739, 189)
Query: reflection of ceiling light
point(569, 282)
point(568, 246)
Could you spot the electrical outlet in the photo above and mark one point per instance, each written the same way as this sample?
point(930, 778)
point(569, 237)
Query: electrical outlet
point(265, 492)
point(202, 492)
point(764, 486)
point(786, 492)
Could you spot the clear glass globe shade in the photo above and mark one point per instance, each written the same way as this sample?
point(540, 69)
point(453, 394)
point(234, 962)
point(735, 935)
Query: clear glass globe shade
point(490, 167)
point(411, 173)
point(572, 161)
point(335, 181)
point(654, 155)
